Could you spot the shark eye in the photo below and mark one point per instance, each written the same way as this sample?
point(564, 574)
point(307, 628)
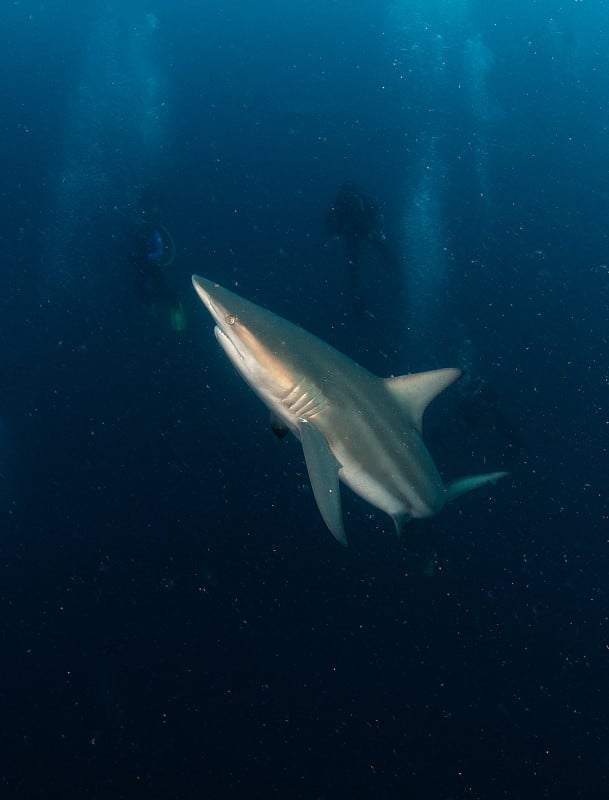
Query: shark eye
point(230, 319)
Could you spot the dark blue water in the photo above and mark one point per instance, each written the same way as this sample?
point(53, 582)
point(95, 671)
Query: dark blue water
point(176, 620)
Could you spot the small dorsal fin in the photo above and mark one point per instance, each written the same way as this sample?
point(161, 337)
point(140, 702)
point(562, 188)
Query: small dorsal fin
point(278, 426)
point(417, 391)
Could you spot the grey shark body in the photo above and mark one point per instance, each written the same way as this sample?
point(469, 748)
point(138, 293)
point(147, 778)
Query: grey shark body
point(353, 426)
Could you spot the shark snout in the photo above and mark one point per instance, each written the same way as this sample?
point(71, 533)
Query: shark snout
point(209, 292)
point(203, 288)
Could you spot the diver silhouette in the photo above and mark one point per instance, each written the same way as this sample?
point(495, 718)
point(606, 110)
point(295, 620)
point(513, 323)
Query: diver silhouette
point(152, 252)
point(356, 219)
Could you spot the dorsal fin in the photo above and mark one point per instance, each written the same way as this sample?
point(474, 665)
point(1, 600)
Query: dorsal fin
point(416, 391)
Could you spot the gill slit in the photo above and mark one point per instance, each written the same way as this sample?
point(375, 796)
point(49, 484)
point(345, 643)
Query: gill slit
point(304, 400)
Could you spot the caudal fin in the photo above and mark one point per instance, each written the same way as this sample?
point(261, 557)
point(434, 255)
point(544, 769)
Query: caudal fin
point(463, 485)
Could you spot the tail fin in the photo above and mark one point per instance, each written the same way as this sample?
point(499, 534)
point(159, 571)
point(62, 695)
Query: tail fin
point(463, 485)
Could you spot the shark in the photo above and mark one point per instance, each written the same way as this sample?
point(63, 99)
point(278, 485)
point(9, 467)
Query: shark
point(354, 427)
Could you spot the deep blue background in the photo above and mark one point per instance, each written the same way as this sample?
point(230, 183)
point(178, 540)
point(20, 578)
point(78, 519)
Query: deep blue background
point(176, 620)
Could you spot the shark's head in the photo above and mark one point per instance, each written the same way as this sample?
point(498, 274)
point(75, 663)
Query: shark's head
point(243, 330)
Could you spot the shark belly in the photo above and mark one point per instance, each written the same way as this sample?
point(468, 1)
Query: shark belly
point(383, 458)
point(398, 486)
point(407, 503)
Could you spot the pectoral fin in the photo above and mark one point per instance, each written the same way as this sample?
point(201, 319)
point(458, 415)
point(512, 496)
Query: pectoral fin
point(323, 473)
